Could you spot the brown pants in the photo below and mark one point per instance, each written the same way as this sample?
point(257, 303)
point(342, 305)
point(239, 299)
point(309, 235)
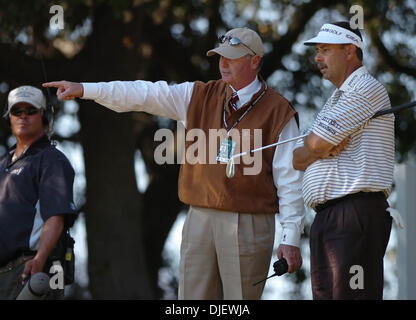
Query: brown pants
point(224, 253)
point(348, 241)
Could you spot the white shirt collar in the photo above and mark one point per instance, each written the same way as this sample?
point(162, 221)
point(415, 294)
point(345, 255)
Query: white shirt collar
point(350, 82)
point(245, 94)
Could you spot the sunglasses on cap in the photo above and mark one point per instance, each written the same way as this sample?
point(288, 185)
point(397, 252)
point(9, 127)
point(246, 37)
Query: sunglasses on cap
point(234, 41)
point(17, 112)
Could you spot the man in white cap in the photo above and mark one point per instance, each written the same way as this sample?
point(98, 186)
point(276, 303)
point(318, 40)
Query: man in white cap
point(36, 182)
point(348, 159)
point(228, 235)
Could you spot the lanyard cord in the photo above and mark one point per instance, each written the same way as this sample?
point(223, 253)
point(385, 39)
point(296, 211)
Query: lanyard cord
point(245, 112)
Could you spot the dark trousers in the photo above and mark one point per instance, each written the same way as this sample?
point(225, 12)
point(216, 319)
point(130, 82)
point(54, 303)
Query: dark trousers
point(348, 241)
point(11, 283)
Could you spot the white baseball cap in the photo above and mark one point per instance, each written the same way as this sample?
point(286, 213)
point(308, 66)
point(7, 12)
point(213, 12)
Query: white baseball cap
point(28, 94)
point(239, 42)
point(333, 34)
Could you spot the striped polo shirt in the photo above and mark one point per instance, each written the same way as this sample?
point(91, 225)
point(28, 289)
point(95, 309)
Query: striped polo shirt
point(367, 162)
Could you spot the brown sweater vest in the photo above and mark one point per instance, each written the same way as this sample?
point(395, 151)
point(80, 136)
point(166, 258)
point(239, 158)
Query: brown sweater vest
point(205, 184)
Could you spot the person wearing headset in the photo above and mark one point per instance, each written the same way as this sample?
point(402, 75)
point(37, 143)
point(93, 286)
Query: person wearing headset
point(36, 192)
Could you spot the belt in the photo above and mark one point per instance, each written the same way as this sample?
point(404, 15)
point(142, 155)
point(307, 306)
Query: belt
point(22, 258)
point(330, 203)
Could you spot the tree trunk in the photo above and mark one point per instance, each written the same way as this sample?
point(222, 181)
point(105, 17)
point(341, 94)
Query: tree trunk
point(116, 258)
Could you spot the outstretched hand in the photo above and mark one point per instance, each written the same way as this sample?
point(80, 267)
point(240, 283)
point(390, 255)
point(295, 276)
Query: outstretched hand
point(66, 90)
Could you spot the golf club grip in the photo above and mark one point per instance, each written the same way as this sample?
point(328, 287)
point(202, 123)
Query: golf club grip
point(395, 109)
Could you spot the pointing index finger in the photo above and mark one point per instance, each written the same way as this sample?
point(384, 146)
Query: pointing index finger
point(55, 84)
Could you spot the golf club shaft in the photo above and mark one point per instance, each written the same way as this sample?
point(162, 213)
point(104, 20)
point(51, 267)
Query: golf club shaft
point(395, 109)
point(269, 146)
point(378, 114)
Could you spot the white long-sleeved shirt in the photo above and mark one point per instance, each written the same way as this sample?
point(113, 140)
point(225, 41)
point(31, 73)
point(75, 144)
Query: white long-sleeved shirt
point(172, 101)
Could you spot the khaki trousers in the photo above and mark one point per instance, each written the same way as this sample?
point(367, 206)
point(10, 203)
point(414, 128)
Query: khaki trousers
point(224, 253)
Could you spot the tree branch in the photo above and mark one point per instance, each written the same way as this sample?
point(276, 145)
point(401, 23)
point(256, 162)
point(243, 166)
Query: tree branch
point(386, 58)
point(283, 45)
